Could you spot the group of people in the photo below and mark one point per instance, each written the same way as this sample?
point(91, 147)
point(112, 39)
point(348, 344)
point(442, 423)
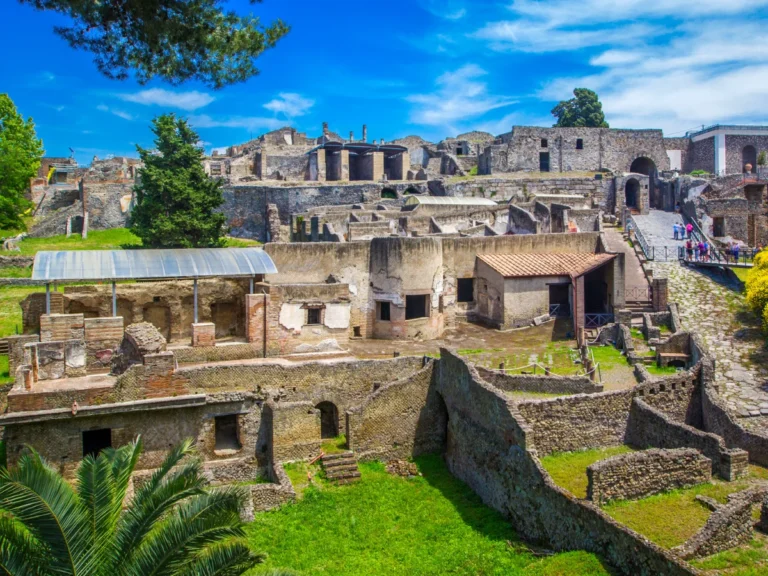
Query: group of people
point(681, 231)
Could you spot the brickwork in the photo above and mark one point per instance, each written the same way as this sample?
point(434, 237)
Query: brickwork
point(203, 334)
point(401, 420)
point(295, 431)
point(640, 474)
point(102, 339)
point(17, 352)
point(539, 384)
point(56, 327)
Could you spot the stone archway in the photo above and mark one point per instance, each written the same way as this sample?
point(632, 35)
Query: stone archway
point(329, 419)
point(643, 165)
point(748, 156)
point(632, 193)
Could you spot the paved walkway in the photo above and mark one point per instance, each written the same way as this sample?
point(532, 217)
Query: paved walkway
point(718, 312)
point(658, 231)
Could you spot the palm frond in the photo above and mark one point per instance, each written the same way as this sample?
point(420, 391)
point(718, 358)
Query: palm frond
point(124, 461)
point(38, 497)
point(227, 558)
point(196, 523)
point(21, 554)
point(149, 508)
point(96, 489)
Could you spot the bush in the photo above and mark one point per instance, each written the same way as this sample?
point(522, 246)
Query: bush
point(699, 173)
point(761, 158)
point(473, 171)
point(761, 260)
point(757, 290)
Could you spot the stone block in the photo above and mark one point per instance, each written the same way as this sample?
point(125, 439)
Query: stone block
point(74, 358)
point(49, 360)
point(58, 327)
point(734, 464)
point(16, 350)
point(203, 334)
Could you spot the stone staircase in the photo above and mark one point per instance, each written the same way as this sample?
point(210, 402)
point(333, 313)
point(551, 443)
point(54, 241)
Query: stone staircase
point(341, 468)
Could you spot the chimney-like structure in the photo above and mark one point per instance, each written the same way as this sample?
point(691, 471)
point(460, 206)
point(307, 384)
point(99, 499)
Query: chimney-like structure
point(351, 136)
point(325, 128)
point(365, 133)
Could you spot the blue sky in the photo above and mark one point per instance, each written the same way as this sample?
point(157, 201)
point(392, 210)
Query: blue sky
point(427, 67)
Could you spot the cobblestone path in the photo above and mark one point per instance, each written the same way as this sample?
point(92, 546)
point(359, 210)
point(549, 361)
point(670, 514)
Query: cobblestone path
point(657, 228)
point(716, 309)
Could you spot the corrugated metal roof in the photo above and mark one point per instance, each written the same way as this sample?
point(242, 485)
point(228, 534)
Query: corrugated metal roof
point(448, 200)
point(527, 265)
point(149, 264)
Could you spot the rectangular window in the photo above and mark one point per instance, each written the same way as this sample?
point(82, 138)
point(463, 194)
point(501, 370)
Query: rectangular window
point(383, 311)
point(215, 169)
point(579, 144)
point(466, 289)
point(459, 152)
point(313, 316)
point(544, 143)
point(227, 433)
point(416, 306)
point(94, 441)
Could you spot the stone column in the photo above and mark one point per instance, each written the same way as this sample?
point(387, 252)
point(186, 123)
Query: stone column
point(344, 164)
point(314, 226)
point(378, 166)
point(660, 294)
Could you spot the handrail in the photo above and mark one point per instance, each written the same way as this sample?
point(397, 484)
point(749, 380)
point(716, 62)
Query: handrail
point(647, 250)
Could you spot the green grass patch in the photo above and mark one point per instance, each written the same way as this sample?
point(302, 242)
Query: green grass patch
point(661, 370)
point(671, 518)
point(10, 311)
point(383, 525)
point(569, 469)
point(112, 239)
point(16, 272)
point(750, 559)
point(741, 273)
point(608, 357)
point(5, 372)
point(637, 333)
point(335, 445)
point(471, 351)
point(518, 395)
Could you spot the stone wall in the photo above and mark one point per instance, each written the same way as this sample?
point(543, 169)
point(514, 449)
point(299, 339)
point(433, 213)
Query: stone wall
point(487, 447)
point(539, 384)
point(640, 474)
point(703, 157)
point(401, 420)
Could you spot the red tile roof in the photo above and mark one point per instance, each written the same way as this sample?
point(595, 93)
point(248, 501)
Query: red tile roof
point(527, 265)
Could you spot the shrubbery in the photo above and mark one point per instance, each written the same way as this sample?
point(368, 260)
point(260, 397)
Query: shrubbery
point(757, 287)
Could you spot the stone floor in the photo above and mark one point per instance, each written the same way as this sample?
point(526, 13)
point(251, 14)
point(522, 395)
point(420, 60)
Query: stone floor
point(657, 228)
point(634, 277)
point(714, 307)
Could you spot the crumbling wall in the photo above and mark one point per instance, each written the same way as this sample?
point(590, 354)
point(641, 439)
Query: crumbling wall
point(539, 384)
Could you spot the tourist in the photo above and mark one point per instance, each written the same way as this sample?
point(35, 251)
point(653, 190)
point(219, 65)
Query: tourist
point(689, 229)
point(676, 228)
point(698, 248)
point(705, 251)
point(736, 252)
point(689, 249)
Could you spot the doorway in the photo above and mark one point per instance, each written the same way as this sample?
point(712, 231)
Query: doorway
point(543, 161)
point(329, 419)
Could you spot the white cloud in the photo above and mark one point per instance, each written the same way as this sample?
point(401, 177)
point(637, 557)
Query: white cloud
point(290, 104)
point(447, 9)
point(119, 113)
point(459, 95)
point(247, 122)
point(191, 100)
point(707, 73)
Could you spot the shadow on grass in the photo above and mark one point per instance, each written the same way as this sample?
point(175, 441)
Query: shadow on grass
point(489, 522)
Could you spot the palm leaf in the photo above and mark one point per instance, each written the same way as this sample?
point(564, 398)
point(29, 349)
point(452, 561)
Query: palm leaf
point(39, 498)
point(227, 558)
point(196, 523)
point(96, 489)
point(21, 554)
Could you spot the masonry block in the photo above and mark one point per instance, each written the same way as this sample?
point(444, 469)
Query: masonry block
point(203, 334)
point(660, 294)
point(734, 464)
point(57, 327)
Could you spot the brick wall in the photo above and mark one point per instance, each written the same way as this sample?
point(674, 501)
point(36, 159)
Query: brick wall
point(547, 384)
point(55, 327)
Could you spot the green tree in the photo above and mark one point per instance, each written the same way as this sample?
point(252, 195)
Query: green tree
point(175, 199)
point(176, 40)
point(582, 111)
point(173, 525)
point(20, 153)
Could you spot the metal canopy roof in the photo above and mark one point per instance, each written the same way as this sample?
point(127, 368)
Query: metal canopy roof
point(360, 148)
point(77, 265)
point(449, 200)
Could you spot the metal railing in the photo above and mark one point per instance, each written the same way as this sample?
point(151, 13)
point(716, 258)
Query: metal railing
point(647, 248)
point(745, 259)
point(558, 310)
point(597, 320)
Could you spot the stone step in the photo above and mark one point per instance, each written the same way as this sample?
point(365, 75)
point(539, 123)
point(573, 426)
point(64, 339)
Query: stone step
point(330, 457)
point(343, 476)
point(340, 462)
point(341, 468)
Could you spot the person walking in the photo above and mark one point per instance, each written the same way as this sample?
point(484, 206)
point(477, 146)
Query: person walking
point(705, 251)
point(735, 252)
point(689, 249)
point(676, 229)
point(689, 229)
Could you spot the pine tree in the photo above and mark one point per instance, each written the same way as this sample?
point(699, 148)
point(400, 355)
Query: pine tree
point(175, 199)
point(582, 111)
point(20, 153)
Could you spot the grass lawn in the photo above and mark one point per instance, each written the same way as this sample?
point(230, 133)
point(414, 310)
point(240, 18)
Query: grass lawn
point(741, 273)
point(750, 559)
point(661, 370)
point(5, 375)
point(16, 272)
point(10, 311)
point(569, 469)
point(112, 239)
point(671, 518)
point(386, 525)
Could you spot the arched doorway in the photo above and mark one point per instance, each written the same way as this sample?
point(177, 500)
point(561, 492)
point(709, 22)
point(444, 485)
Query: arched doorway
point(389, 193)
point(748, 156)
point(329, 419)
point(643, 165)
point(632, 194)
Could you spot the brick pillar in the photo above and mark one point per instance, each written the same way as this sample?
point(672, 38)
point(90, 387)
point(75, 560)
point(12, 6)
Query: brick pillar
point(378, 166)
point(273, 223)
point(578, 305)
point(256, 316)
point(344, 164)
point(660, 294)
point(203, 334)
point(314, 227)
